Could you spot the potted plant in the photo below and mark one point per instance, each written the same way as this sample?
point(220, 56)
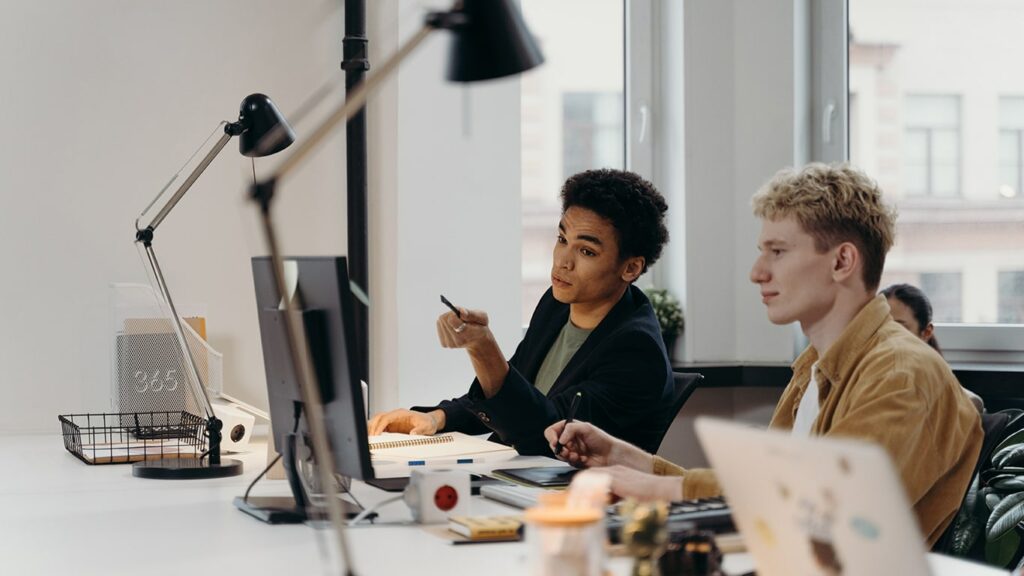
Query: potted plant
point(669, 314)
point(989, 524)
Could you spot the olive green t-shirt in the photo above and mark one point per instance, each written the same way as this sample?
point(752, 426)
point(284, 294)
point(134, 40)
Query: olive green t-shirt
point(568, 342)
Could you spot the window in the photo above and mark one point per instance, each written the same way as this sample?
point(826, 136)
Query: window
point(572, 118)
point(931, 145)
point(944, 291)
point(592, 134)
point(934, 118)
point(1011, 147)
point(1011, 297)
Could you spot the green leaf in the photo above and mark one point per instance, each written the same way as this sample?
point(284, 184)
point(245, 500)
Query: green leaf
point(967, 526)
point(1011, 484)
point(994, 476)
point(1000, 552)
point(1015, 438)
point(1012, 455)
point(1005, 517)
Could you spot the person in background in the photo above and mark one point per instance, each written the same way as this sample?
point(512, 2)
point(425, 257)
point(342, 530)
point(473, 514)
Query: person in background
point(825, 233)
point(911, 309)
point(593, 332)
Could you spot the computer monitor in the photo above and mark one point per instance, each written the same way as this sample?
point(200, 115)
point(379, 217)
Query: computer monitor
point(323, 298)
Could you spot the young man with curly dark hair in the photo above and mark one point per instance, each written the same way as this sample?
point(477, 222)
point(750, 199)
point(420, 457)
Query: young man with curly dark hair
point(593, 332)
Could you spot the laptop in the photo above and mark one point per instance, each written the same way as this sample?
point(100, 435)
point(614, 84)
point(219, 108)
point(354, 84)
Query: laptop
point(817, 506)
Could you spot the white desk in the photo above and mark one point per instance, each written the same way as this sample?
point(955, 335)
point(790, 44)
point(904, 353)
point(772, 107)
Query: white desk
point(61, 516)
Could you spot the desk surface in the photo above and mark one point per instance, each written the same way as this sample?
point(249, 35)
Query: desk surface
point(61, 516)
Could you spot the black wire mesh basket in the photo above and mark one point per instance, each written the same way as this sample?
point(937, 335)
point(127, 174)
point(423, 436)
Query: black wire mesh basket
point(121, 438)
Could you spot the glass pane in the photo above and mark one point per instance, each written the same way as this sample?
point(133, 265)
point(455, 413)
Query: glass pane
point(1011, 297)
point(572, 118)
point(945, 180)
point(932, 111)
point(945, 146)
point(1008, 153)
point(937, 120)
point(915, 178)
point(943, 289)
point(1011, 112)
point(915, 146)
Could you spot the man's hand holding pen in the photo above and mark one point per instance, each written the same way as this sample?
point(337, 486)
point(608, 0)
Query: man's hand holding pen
point(468, 329)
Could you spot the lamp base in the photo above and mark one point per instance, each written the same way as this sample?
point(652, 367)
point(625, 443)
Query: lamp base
point(186, 469)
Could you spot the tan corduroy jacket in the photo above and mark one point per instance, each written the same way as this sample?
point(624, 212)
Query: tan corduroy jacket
point(879, 382)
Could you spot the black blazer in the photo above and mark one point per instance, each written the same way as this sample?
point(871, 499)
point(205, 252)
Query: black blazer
point(622, 369)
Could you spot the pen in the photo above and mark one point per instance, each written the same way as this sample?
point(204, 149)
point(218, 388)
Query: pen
point(440, 462)
point(572, 414)
point(452, 306)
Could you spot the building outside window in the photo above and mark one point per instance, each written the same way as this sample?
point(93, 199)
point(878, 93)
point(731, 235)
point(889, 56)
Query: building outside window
point(931, 145)
point(945, 290)
point(933, 117)
point(1011, 146)
point(1011, 297)
point(592, 134)
point(573, 118)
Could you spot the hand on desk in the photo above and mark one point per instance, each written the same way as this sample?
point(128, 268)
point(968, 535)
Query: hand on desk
point(406, 422)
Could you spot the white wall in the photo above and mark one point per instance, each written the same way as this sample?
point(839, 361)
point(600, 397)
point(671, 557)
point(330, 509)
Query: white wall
point(445, 211)
point(100, 103)
point(742, 76)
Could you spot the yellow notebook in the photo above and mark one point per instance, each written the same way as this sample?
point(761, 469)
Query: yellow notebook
point(487, 527)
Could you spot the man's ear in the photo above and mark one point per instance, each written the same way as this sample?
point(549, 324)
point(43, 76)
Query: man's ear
point(633, 268)
point(846, 263)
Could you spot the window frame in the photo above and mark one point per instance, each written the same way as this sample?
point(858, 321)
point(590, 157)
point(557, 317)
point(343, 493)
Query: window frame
point(966, 343)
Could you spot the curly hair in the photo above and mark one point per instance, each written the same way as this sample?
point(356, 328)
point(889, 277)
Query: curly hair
point(834, 203)
point(633, 205)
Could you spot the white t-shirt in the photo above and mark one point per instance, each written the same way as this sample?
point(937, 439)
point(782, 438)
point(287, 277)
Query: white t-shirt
point(807, 411)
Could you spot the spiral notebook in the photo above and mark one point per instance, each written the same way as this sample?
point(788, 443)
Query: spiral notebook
point(389, 446)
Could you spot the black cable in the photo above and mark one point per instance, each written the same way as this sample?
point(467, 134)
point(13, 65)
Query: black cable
point(261, 475)
point(295, 428)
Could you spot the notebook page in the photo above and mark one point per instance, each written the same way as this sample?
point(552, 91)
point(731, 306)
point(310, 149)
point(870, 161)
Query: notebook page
point(460, 445)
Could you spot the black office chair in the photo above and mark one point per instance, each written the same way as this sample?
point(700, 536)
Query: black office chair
point(997, 427)
point(684, 383)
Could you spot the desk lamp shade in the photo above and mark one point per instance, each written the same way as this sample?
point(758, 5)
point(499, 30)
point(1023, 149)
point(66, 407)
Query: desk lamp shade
point(260, 116)
point(492, 42)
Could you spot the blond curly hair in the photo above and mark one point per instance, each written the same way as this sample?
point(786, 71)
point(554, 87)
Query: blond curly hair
point(834, 203)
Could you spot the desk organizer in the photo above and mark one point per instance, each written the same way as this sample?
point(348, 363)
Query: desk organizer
point(121, 438)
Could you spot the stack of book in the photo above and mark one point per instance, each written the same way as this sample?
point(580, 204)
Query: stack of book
point(487, 528)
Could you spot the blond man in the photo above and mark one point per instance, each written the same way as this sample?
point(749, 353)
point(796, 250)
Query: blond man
point(825, 232)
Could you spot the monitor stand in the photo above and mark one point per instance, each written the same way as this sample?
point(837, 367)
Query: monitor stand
point(288, 509)
point(282, 509)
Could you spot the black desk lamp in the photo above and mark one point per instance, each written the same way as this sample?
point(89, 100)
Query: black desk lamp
point(489, 40)
point(257, 118)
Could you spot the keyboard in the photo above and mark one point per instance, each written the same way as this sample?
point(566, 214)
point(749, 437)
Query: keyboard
point(710, 514)
point(706, 514)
